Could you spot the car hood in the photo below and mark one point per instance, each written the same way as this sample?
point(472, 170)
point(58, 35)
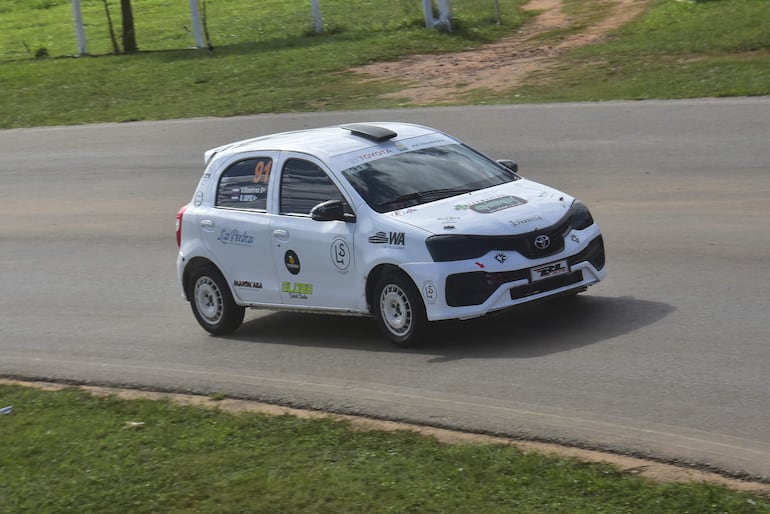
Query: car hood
point(514, 208)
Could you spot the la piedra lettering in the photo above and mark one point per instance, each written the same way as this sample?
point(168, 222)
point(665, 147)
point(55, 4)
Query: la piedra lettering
point(235, 237)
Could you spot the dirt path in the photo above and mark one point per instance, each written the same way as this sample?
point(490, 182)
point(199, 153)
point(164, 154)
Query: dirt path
point(501, 65)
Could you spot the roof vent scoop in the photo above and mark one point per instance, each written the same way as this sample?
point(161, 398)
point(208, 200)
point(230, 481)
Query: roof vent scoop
point(372, 132)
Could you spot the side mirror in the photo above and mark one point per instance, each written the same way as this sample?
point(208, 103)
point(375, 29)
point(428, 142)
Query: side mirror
point(331, 210)
point(511, 165)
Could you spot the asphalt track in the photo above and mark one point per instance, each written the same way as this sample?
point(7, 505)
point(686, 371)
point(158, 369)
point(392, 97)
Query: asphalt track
point(668, 358)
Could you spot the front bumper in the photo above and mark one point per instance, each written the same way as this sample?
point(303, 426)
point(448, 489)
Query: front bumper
point(468, 289)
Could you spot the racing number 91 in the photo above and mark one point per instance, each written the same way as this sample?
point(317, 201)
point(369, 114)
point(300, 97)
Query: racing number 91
point(262, 171)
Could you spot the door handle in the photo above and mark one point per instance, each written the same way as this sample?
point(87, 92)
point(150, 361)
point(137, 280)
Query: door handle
point(207, 224)
point(281, 234)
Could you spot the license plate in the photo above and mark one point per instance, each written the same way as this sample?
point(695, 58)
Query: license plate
point(549, 270)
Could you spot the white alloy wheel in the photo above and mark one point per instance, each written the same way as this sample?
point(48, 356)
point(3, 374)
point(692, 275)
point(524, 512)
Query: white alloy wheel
point(208, 300)
point(212, 302)
point(399, 309)
point(395, 309)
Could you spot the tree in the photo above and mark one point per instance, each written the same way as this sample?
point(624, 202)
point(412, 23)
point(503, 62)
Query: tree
point(129, 35)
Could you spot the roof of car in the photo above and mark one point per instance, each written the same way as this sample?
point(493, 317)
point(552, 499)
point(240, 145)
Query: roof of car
point(326, 141)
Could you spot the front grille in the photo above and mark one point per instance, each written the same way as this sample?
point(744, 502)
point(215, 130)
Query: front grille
point(525, 243)
point(473, 288)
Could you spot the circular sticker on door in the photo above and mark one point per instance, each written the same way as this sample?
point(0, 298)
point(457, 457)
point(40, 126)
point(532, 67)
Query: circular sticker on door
point(291, 259)
point(340, 253)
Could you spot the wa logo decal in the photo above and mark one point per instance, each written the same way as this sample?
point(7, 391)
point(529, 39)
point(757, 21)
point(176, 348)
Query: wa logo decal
point(388, 238)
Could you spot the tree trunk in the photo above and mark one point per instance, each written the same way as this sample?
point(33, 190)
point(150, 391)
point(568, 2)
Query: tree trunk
point(129, 36)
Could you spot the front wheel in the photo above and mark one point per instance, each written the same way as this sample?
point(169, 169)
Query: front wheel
point(399, 310)
point(212, 303)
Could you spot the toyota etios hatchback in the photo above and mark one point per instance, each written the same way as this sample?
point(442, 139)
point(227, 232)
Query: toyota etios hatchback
point(396, 221)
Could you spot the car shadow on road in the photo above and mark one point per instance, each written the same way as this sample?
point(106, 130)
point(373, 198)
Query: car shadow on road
point(543, 328)
point(527, 331)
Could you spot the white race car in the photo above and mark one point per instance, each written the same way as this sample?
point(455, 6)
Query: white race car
point(392, 220)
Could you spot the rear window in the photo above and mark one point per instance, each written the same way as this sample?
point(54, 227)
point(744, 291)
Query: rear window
point(244, 184)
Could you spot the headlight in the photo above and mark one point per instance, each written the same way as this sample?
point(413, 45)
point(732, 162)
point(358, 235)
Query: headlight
point(447, 247)
point(579, 216)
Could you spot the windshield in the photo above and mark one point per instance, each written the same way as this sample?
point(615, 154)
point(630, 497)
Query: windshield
point(425, 175)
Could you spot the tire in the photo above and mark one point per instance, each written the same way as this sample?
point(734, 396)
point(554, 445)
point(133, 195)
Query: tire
point(399, 310)
point(212, 302)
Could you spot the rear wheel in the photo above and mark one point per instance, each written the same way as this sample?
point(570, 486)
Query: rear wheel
point(212, 303)
point(399, 310)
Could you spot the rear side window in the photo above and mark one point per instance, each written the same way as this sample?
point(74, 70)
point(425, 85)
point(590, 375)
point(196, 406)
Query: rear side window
point(304, 185)
point(244, 184)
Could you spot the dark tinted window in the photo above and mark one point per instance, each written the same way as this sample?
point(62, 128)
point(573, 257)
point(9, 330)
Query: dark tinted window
point(303, 186)
point(244, 184)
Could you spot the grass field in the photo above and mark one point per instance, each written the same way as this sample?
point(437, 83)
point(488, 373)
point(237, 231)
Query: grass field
point(69, 451)
point(267, 58)
point(679, 49)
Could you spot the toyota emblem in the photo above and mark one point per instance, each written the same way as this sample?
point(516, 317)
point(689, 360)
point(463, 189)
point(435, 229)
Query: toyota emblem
point(542, 242)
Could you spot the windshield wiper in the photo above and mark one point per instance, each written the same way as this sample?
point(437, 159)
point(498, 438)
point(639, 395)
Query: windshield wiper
point(420, 196)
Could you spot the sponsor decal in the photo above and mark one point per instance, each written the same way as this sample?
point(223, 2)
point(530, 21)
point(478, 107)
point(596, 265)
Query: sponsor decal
point(389, 238)
point(491, 205)
point(501, 257)
point(248, 193)
point(480, 265)
point(235, 237)
point(247, 284)
point(403, 212)
point(429, 292)
point(524, 221)
point(431, 142)
point(449, 221)
point(253, 190)
point(575, 238)
point(349, 161)
point(291, 260)
point(297, 290)
point(367, 156)
point(550, 270)
point(340, 253)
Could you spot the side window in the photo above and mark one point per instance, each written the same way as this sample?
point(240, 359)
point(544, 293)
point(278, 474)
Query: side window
point(304, 185)
point(244, 184)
